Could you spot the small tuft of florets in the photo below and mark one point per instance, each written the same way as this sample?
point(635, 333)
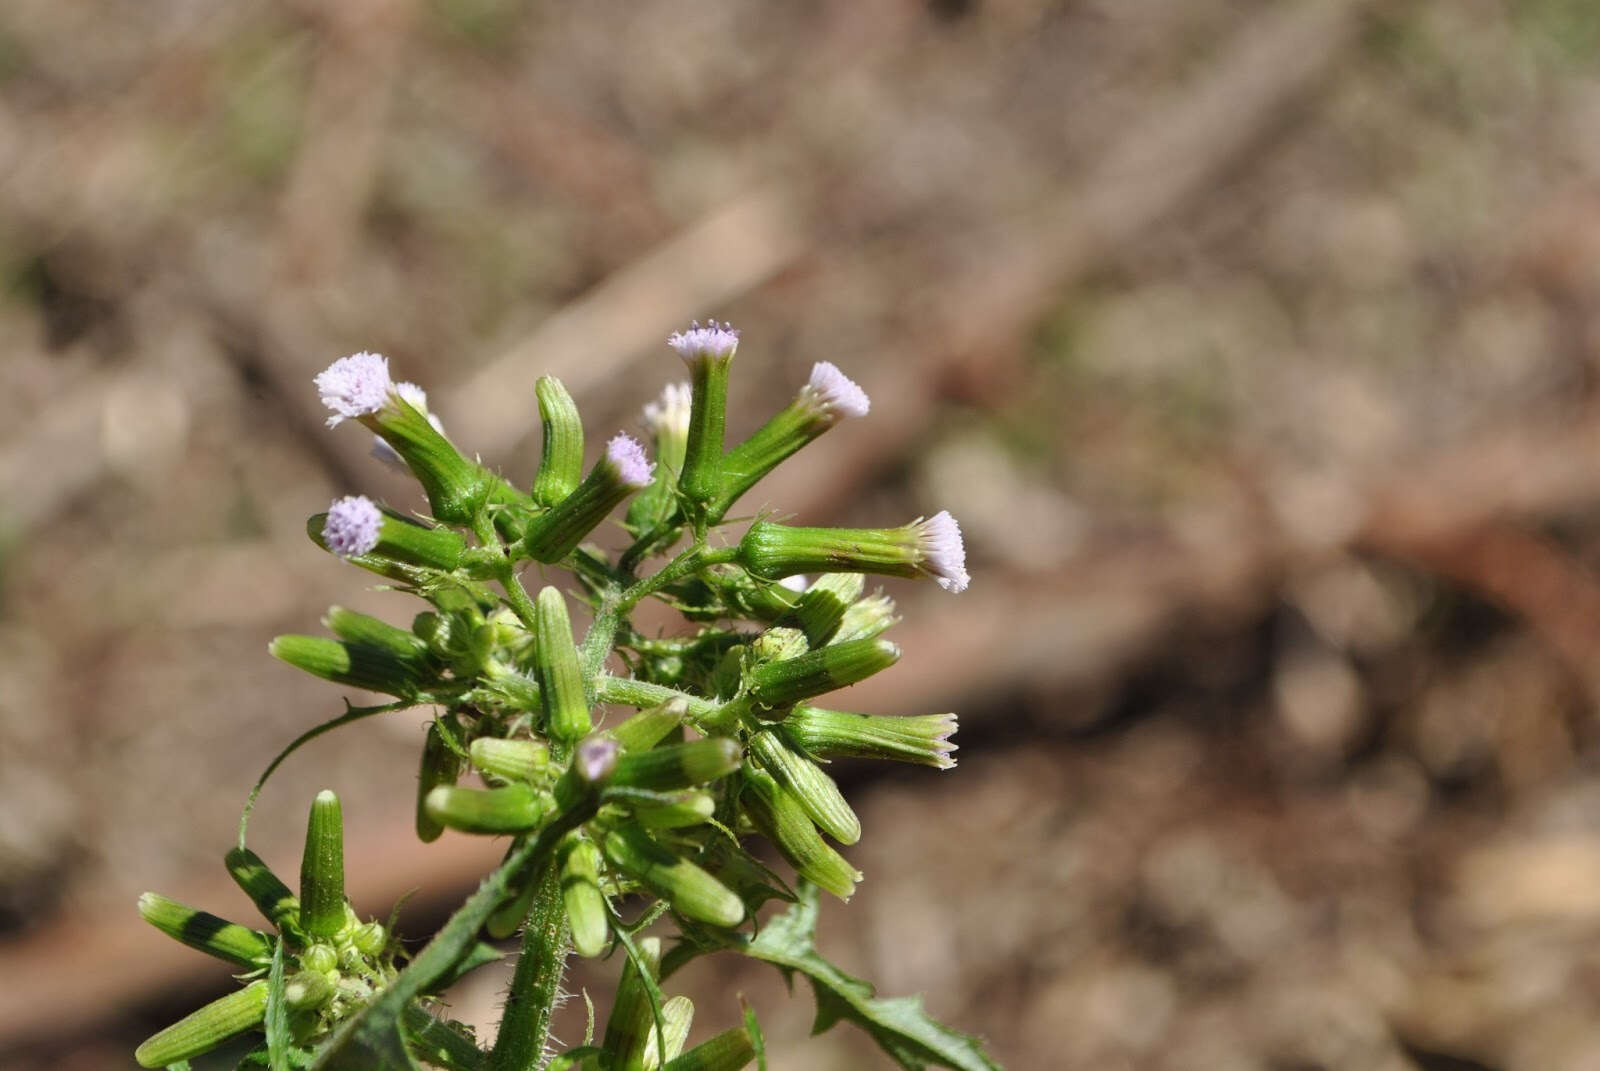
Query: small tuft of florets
point(712, 342)
point(670, 413)
point(352, 526)
point(944, 555)
point(627, 456)
point(354, 386)
point(833, 393)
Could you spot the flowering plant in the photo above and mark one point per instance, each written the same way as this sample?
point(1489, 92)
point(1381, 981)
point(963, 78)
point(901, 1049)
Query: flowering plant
point(612, 828)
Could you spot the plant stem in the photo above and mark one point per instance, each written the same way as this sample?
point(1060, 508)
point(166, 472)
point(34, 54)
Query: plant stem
point(536, 986)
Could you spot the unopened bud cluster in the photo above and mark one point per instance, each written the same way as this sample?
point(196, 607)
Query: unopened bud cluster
point(724, 739)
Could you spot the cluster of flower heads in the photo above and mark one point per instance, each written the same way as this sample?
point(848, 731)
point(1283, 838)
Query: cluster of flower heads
point(726, 737)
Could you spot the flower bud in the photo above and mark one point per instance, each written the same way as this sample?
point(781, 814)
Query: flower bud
point(730, 1050)
point(357, 665)
point(648, 728)
point(440, 766)
point(322, 869)
point(370, 938)
point(677, 1013)
point(679, 765)
point(866, 618)
point(814, 790)
point(358, 628)
point(778, 814)
point(517, 761)
point(357, 529)
point(822, 606)
point(779, 644)
point(561, 463)
point(930, 548)
point(631, 1018)
point(828, 397)
point(687, 808)
point(307, 989)
point(774, 684)
point(566, 707)
point(691, 891)
point(707, 351)
point(205, 1029)
point(319, 957)
point(512, 809)
point(270, 895)
point(667, 420)
point(204, 931)
point(580, 893)
point(832, 734)
point(556, 533)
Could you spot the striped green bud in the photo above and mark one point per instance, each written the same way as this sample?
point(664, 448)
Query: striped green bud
point(690, 808)
point(865, 619)
point(561, 463)
point(204, 931)
point(357, 665)
point(456, 487)
point(270, 895)
point(205, 1029)
point(831, 734)
point(648, 728)
point(512, 809)
point(556, 533)
point(396, 538)
point(777, 813)
point(813, 788)
point(370, 938)
point(774, 684)
point(679, 765)
point(372, 561)
point(307, 989)
point(631, 1019)
point(707, 351)
point(730, 1050)
point(677, 1013)
point(440, 766)
point(517, 761)
point(509, 917)
point(322, 911)
point(926, 548)
point(320, 958)
point(368, 631)
point(691, 891)
point(822, 606)
point(580, 894)
point(560, 677)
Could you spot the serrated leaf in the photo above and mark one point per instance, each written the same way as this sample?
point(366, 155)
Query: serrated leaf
point(901, 1027)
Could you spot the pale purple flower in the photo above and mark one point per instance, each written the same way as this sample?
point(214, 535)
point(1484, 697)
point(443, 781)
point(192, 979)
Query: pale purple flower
point(944, 556)
point(833, 393)
point(712, 342)
point(352, 526)
point(418, 400)
point(669, 414)
point(596, 757)
point(627, 457)
point(354, 386)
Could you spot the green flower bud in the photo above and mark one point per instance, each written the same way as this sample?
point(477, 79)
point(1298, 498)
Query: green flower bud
point(205, 1029)
point(778, 814)
point(556, 533)
point(779, 644)
point(580, 893)
point(512, 809)
point(822, 606)
point(679, 765)
point(814, 790)
point(307, 989)
point(270, 895)
point(866, 619)
point(370, 938)
point(357, 529)
point(204, 931)
point(831, 734)
point(322, 909)
point(371, 561)
point(677, 1013)
point(667, 418)
point(560, 677)
point(648, 728)
point(691, 891)
point(631, 1019)
point(690, 808)
point(320, 958)
point(456, 487)
point(357, 665)
point(517, 761)
point(730, 1050)
point(930, 548)
point(707, 351)
point(561, 464)
point(440, 766)
point(509, 917)
point(837, 665)
point(367, 631)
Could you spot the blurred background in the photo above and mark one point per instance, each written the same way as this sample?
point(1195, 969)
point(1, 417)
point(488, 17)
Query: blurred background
point(1253, 342)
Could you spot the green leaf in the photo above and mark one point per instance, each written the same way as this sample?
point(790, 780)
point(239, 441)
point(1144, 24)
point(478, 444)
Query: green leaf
point(277, 1019)
point(900, 1026)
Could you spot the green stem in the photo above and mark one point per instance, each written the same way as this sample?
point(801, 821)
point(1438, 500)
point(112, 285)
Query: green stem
point(516, 595)
point(536, 986)
point(642, 694)
point(692, 560)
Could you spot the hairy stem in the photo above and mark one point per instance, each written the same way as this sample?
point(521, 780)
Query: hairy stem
point(536, 986)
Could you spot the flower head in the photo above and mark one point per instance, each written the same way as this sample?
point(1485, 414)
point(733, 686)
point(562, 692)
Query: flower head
point(352, 526)
point(354, 386)
point(712, 342)
point(944, 555)
point(670, 413)
point(595, 759)
point(625, 453)
point(833, 393)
